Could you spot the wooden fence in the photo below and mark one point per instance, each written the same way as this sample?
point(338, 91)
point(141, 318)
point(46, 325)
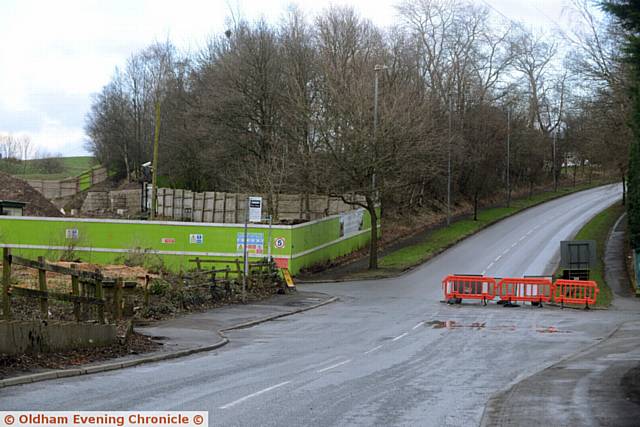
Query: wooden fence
point(53, 189)
point(211, 206)
point(87, 288)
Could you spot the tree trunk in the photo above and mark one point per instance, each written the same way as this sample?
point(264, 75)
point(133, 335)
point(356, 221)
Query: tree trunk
point(475, 206)
point(373, 247)
point(530, 188)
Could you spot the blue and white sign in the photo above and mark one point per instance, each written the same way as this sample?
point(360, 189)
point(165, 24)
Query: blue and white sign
point(196, 239)
point(255, 243)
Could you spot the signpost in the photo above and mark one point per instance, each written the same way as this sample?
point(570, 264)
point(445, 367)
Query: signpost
point(255, 209)
point(253, 214)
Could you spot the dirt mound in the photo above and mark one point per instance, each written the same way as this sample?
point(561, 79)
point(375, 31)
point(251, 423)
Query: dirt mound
point(12, 188)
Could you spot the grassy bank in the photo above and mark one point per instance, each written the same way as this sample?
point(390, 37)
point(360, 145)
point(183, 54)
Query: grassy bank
point(441, 239)
point(598, 229)
point(65, 167)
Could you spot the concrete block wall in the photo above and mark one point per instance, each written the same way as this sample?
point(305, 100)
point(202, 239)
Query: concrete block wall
point(42, 336)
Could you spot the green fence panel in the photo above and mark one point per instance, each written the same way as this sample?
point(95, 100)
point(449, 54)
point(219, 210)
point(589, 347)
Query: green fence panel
point(173, 243)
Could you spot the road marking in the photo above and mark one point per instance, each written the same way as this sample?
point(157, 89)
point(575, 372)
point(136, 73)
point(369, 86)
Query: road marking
point(400, 336)
point(522, 238)
point(483, 272)
point(514, 244)
point(373, 349)
point(489, 266)
point(421, 323)
point(497, 258)
point(344, 362)
point(506, 251)
point(257, 393)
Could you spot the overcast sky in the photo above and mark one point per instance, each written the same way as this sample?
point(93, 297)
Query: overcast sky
point(56, 54)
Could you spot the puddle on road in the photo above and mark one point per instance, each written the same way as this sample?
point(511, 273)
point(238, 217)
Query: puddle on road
point(551, 330)
point(452, 324)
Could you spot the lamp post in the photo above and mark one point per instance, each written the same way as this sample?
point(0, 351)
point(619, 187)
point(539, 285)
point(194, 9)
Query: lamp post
point(375, 120)
point(555, 175)
point(449, 161)
point(508, 156)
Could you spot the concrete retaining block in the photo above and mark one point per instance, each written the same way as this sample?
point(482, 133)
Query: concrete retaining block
point(40, 336)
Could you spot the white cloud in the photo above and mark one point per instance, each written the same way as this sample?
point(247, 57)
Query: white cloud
point(57, 53)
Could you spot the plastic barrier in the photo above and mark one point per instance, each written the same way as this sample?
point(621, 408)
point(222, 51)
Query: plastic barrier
point(525, 289)
point(575, 292)
point(458, 287)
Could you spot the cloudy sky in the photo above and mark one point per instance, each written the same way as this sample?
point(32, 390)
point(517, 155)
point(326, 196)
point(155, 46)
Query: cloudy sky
point(56, 54)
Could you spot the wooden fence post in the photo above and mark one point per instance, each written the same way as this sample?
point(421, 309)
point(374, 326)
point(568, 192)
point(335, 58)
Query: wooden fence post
point(75, 290)
point(198, 264)
point(117, 299)
point(100, 295)
point(6, 283)
point(42, 283)
point(146, 290)
point(238, 269)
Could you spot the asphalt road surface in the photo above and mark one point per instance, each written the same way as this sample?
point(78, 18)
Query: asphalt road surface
point(388, 353)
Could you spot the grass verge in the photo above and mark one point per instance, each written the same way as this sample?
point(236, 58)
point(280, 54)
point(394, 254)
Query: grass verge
point(410, 256)
point(70, 167)
point(598, 229)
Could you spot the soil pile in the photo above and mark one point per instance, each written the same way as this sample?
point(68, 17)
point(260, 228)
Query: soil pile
point(12, 188)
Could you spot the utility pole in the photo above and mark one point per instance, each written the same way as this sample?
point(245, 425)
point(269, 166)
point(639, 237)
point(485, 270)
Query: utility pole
point(449, 162)
point(508, 156)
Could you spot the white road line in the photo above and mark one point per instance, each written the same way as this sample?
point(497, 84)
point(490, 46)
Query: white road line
point(489, 266)
point(344, 362)
point(421, 323)
point(483, 272)
point(257, 393)
point(497, 258)
point(373, 349)
point(522, 238)
point(506, 251)
point(400, 336)
point(514, 244)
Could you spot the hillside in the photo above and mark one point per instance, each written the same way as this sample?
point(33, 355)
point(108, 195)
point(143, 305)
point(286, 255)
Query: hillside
point(51, 169)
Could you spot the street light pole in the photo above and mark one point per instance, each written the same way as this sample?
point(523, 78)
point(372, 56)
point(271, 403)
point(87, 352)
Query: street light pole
point(375, 120)
point(508, 156)
point(449, 163)
point(555, 175)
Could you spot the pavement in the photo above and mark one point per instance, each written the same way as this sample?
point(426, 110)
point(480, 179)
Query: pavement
point(599, 386)
point(191, 333)
point(386, 353)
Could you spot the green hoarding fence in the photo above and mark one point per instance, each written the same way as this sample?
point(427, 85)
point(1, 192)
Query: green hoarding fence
point(102, 241)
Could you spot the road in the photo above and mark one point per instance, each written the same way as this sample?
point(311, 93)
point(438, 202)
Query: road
point(388, 353)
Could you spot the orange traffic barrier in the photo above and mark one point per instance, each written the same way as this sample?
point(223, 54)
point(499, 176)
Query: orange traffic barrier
point(575, 292)
point(458, 287)
point(526, 289)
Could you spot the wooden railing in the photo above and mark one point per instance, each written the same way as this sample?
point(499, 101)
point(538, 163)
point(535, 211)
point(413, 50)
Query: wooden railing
point(87, 288)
